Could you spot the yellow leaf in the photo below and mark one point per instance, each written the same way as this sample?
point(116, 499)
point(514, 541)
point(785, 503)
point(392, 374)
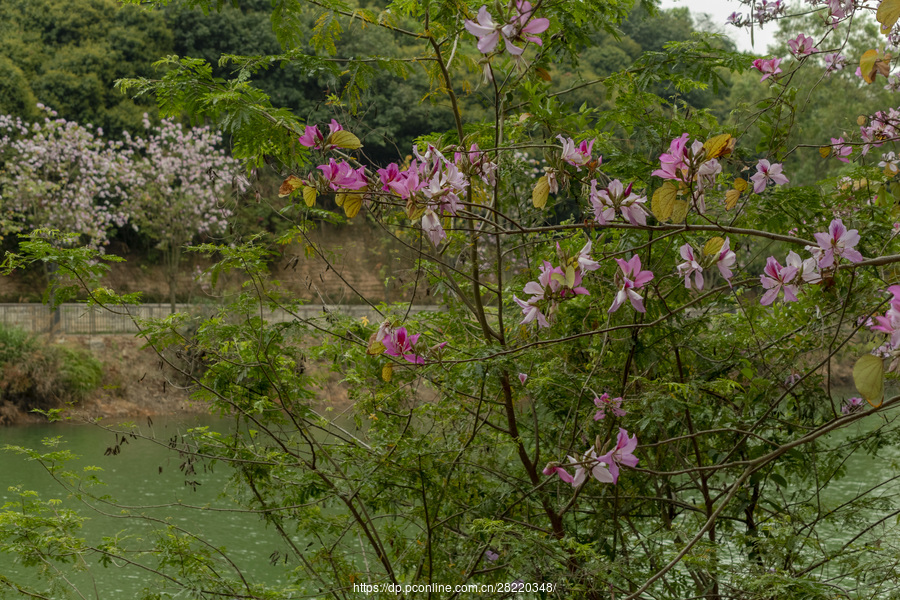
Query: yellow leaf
point(861, 120)
point(570, 277)
point(887, 15)
point(387, 371)
point(343, 139)
point(375, 347)
point(309, 196)
point(664, 201)
point(680, 211)
point(713, 246)
point(731, 198)
point(718, 145)
point(867, 65)
point(289, 185)
point(352, 203)
point(824, 151)
point(413, 210)
point(540, 193)
point(740, 184)
point(543, 74)
point(868, 375)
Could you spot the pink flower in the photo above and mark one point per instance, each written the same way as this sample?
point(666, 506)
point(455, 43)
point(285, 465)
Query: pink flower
point(841, 151)
point(690, 266)
point(604, 403)
point(673, 163)
point(616, 196)
point(622, 454)
point(890, 322)
point(577, 156)
point(766, 172)
point(777, 278)
point(767, 66)
point(726, 260)
point(523, 378)
point(834, 62)
point(519, 27)
point(484, 28)
point(342, 176)
point(851, 405)
point(431, 225)
point(838, 242)
point(312, 137)
point(631, 279)
point(801, 45)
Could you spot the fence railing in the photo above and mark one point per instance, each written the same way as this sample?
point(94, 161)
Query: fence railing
point(79, 319)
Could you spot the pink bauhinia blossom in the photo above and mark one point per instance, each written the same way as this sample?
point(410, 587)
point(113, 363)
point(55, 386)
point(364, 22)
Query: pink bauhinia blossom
point(631, 279)
point(673, 163)
point(837, 243)
point(767, 66)
point(579, 155)
point(890, 322)
point(765, 172)
point(690, 266)
point(622, 454)
point(519, 27)
point(604, 403)
point(851, 405)
point(802, 45)
point(840, 150)
point(834, 62)
point(341, 176)
point(726, 260)
point(777, 278)
point(606, 201)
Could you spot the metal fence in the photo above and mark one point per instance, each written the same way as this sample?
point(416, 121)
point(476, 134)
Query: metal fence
point(79, 319)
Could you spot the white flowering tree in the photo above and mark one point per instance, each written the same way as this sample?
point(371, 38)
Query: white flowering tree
point(185, 178)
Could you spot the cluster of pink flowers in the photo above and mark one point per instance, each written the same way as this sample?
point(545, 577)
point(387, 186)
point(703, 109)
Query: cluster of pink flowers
point(763, 12)
point(617, 198)
point(555, 284)
point(519, 27)
point(605, 403)
point(604, 468)
point(436, 183)
point(837, 243)
point(689, 164)
point(695, 262)
point(880, 127)
point(398, 342)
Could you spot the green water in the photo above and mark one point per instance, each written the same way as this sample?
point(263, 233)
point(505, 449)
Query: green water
point(146, 474)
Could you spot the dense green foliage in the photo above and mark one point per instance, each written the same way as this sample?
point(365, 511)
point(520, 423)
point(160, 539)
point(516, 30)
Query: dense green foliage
point(68, 55)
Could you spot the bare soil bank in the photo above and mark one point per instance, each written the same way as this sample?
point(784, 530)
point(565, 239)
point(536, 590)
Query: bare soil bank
point(137, 384)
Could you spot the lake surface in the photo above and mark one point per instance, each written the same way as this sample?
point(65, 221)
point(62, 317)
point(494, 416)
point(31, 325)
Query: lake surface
point(143, 473)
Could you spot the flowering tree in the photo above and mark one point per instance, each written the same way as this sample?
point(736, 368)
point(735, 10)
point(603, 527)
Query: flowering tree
point(185, 177)
point(63, 175)
point(640, 402)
